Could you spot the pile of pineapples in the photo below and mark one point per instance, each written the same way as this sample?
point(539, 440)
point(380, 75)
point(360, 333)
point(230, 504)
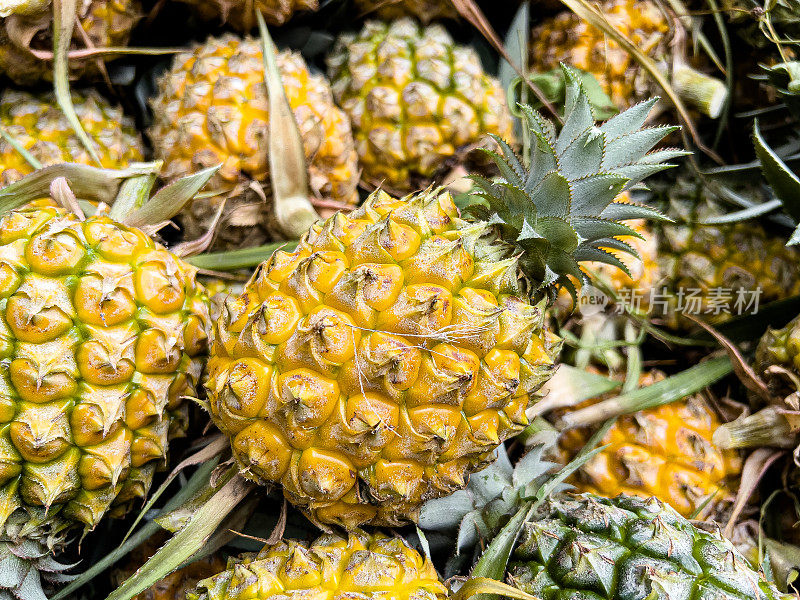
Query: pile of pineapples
point(399, 299)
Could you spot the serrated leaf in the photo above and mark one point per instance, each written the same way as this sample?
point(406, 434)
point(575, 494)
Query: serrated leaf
point(780, 177)
point(631, 147)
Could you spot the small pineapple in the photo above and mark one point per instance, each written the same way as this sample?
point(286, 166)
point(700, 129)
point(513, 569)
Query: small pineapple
point(27, 28)
point(103, 334)
point(359, 566)
point(424, 10)
point(587, 547)
point(385, 359)
point(212, 109)
point(37, 124)
point(240, 14)
point(415, 98)
point(567, 38)
point(175, 585)
point(664, 452)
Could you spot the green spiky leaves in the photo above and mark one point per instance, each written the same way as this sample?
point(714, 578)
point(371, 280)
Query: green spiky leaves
point(559, 204)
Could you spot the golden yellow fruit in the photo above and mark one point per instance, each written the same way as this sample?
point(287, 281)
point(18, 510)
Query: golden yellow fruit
point(415, 98)
point(664, 452)
point(379, 364)
point(212, 109)
point(37, 124)
point(358, 566)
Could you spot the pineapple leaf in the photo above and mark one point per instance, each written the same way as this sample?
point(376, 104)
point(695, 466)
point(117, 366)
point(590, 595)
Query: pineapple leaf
point(564, 203)
point(783, 181)
point(621, 245)
point(591, 229)
point(553, 196)
point(632, 147)
point(590, 253)
point(624, 211)
point(590, 195)
point(628, 121)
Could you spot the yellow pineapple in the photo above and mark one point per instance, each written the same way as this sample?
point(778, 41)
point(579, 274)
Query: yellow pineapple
point(37, 125)
point(665, 452)
point(212, 108)
point(385, 359)
point(26, 33)
point(103, 334)
point(649, 26)
point(415, 98)
point(357, 566)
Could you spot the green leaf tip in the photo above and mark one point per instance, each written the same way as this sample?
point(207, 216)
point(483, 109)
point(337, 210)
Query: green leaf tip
point(563, 208)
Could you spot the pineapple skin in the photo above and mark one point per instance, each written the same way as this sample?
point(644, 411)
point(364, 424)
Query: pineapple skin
point(380, 363)
point(424, 10)
point(665, 452)
point(105, 22)
point(104, 333)
point(240, 14)
point(212, 108)
point(415, 98)
point(39, 126)
point(567, 38)
point(593, 548)
point(698, 260)
point(360, 565)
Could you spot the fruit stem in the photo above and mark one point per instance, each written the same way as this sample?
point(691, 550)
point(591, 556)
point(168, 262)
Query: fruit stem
point(768, 427)
point(704, 92)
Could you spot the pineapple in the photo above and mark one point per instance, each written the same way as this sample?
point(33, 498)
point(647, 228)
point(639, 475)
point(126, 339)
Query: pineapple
point(38, 125)
point(27, 30)
point(664, 452)
point(240, 14)
point(586, 547)
point(175, 585)
point(386, 358)
point(424, 10)
point(359, 566)
point(415, 98)
point(567, 38)
point(103, 336)
point(212, 108)
point(711, 271)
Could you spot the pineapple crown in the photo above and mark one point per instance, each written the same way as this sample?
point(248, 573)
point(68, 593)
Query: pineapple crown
point(558, 205)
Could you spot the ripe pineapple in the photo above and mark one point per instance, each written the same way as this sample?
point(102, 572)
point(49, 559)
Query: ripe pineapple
point(103, 335)
point(386, 358)
point(360, 565)
point(212, 108)
point(240, 14)
point(38, 125)
point(713, 272)
point(27, 28)
point(567, 38)
point(424, 10)
point(665, 452)
point(175, 585)
point(598, 548)
point(415, 98)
